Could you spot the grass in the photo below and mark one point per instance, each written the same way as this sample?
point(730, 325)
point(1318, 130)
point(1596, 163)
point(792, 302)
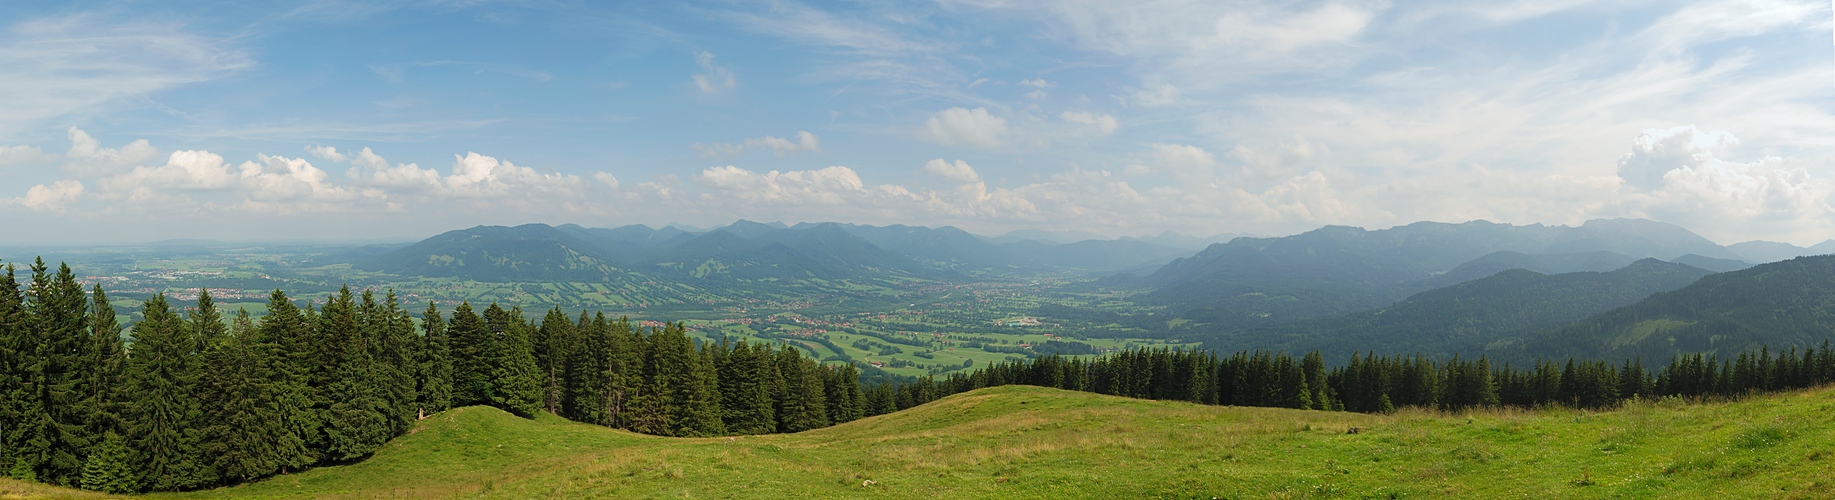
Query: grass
point(1028, 442)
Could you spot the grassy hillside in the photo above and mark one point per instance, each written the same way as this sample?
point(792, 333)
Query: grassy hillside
point(1030, 442)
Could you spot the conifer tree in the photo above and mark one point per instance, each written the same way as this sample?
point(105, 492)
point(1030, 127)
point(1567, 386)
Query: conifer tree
point(353, 411)
point(518, 380)
point(285, 328)
point(436, 362)
point(14, 347)
point(163, 412)
point(744, 387)
point(109, 468)
point(52, 430)
point(241, 439)
point(553, 341)
point(102, 393)
point(803, 406)
point(701, 393)
point(471, 347)
point(393, 346)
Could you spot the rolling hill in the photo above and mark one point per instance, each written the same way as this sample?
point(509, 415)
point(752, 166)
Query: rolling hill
point(1018, 441)
point(1470, 317)
point(1781, 304)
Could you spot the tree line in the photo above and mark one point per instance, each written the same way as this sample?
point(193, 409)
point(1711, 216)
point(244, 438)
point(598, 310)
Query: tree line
point(1381, 384)
point(196, 400)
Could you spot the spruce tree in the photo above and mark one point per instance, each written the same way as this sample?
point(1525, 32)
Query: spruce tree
point(52, 430)
point(436, 362)
point(745, 390)
point(109, 467)
point(14, 348)
point(353, 410)
point(552, 343)
point(162, 375)
point(393, 344)
point(471, 368)
point(518, 380)
point(102, 393)
point(286, 330)
point(241, 437)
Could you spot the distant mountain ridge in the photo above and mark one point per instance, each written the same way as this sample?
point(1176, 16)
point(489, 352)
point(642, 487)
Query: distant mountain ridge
point(743, 250)
point(1338, 269)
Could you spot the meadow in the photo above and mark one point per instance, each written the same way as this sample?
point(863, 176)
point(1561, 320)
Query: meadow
point(1029, 442)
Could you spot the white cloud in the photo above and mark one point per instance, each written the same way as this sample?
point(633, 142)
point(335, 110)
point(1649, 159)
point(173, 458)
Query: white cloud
point(965, 127)
point(1678, 174)
point(184, 170)
point(805, 142)
point(20, 155)
point(716, 79)
point(476, 175)
point(958, 172)
point(282, 184)
point(327, 153)
point(607, 179)
point(88, 158)
point(1103, 124)
point(51, 197)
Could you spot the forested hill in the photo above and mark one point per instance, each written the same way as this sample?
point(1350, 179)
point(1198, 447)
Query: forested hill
point(1337, 269)
point(1472, 316)
point(1781, 304)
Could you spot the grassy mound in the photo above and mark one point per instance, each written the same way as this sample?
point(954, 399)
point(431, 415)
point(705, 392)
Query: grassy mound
point(1046, 443)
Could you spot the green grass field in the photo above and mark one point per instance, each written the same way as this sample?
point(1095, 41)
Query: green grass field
point(1028, 442)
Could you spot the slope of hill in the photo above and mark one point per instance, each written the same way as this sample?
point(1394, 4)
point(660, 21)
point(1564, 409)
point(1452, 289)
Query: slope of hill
point(1468, 317)
point(1781, 304)
point(1337, 269)
point(1018, 441)
point(530, 252)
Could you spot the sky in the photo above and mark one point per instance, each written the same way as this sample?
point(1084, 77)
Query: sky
point(392, 121)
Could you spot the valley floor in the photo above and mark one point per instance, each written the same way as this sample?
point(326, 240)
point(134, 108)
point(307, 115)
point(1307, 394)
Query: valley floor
point(1028, 442)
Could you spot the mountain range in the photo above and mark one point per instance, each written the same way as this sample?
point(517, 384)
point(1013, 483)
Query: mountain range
point(744, 250)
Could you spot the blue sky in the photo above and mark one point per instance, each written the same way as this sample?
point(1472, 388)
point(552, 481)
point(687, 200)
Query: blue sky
point(134, 121)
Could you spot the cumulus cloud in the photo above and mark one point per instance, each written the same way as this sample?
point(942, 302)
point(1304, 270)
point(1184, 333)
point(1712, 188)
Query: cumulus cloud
point(965, 127)
point(327, 153)
point(716, 79)
point(827, 186)
point(276, 180)
point(87, 157)
point(607, 179)
point(184, 170)
point(958, 172)
point(1102, 124)
point(1679, 174)
point(477, 175)
point(805, 142)
point(51, 197)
